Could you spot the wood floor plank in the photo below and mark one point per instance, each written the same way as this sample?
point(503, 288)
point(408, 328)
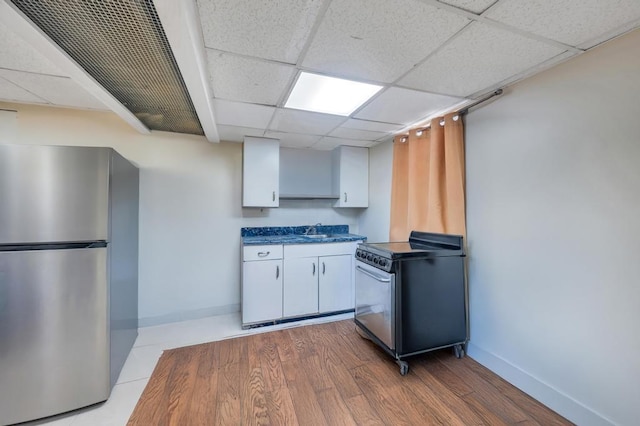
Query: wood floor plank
point(205, 388)
point(280, 407)
point(182, 377)
point(452, 401)
point(487, 415)
point(305, 402)
point(325, 374)
point(317, 373)
point(456, 384)
point(334, 408)
point(362, 411)
point(286, 346)
point(428, 402)
point(484, 391)
point(543, 414)
point(272, 373)
point(341, 377)
point(364, 349)
point(346, 352)
point(228, 407)
point(383, 397)
point(252, 393)
point(302, 342)
point(149, 409)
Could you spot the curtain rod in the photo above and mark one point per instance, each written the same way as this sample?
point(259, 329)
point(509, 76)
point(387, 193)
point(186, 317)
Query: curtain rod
point(460, 112)
point(481, 101)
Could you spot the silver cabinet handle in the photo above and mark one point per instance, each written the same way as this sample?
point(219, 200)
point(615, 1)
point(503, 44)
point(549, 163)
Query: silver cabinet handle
point(345, 197)
point(323, 268)
point(277, 271)
point(273, 196)
point(263, 253)
point(314, 268)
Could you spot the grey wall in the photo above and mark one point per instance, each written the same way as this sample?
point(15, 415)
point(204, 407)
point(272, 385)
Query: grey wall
point(305, 172)
point(190, 207)
point(553, 208)
point(374, 221)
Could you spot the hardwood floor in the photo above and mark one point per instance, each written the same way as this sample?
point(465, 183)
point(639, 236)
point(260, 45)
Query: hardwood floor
point(326, 374)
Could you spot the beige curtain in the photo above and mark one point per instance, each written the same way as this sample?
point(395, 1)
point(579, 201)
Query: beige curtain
point(427, 186)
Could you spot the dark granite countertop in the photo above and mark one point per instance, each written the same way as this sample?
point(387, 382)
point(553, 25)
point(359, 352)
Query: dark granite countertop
point(295, 235)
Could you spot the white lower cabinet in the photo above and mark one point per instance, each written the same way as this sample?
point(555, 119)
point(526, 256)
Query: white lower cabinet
point(300, 286)
point(317, 284)
point(262, 284)
point(296, 280)
point(335, 286)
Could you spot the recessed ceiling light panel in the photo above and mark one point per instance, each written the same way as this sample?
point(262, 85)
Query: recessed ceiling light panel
point(329, 95)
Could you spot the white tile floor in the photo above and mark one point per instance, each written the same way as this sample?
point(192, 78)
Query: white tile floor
point(150, 344)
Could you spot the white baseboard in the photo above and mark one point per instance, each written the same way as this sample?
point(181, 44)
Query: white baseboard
point(188, 315)
point(552, 398)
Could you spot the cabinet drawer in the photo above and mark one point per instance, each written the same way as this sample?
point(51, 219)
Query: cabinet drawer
point(322, 249)
point(261, 252)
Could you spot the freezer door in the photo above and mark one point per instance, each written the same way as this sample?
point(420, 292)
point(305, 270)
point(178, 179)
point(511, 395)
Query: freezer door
point(54, 351)
point(53, 193)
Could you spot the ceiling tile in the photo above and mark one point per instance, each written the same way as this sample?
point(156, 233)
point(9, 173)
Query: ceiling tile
point(293, 140)
point(296, 121)
point(237, 134)
point(481, 56)
point(328, 143)
point(374, 126)
point(17, 54)
point(60, 91)
point(11, 92)
point(404, 106)
point(247, 80)
point(570, 21)
point(275, 29)
point(347, 133)
point(473, 6)
point(242, 115)
point(378, 39)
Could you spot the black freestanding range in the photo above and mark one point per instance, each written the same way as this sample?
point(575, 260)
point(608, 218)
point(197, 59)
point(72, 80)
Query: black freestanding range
point(411, 297)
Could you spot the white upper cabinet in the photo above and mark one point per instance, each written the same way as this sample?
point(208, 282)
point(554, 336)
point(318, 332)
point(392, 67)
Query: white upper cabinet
point(260, 172)
point(351, 176)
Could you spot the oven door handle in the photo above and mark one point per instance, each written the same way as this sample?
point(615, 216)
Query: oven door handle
point(374, 276)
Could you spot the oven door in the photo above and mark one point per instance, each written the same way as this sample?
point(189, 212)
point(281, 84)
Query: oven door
point(375, 302)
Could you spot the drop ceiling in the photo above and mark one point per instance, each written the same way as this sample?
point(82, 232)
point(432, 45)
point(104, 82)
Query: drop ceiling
point(240, 58)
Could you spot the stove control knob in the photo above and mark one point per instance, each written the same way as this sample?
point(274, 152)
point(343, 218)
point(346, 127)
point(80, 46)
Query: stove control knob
point(369, 257)
point(376, 260)
point(382, 262)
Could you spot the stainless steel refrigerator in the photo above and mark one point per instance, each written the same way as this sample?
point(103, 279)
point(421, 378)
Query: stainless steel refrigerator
point(68, 277)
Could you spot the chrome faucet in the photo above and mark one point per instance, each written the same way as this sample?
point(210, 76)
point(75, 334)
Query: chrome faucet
point(312, 230)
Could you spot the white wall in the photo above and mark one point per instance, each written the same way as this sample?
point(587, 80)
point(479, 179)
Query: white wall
point(553, 219)
point(190, 208)
point(374, 222)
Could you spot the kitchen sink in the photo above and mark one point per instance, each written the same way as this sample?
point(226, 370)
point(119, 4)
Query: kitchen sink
point(316, 236)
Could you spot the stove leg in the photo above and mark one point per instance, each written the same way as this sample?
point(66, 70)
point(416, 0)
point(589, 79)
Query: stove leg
point(458, 350)
point(404, 367)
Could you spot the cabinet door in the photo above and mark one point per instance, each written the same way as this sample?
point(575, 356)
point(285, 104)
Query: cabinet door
point(351, 178)
point(260, 172)
point(300, 286)
point(336, 283)
point(261, 291)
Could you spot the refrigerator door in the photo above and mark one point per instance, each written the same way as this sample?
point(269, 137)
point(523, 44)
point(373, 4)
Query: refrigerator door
point(53, 193)
point(54, 351)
